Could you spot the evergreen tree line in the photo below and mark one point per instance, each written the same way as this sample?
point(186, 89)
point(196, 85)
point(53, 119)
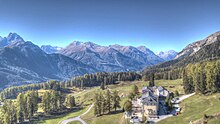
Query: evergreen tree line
point(25, 107)
point(163, 73)
point(207, 53)
point(104, 103)
point(202, 77)
point(12, 92)
point(89, 80)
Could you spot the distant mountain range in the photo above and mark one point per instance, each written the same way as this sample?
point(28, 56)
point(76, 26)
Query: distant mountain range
point(24, 62)
point(111, 58)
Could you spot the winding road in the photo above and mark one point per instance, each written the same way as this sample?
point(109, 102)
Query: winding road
point(77, 118)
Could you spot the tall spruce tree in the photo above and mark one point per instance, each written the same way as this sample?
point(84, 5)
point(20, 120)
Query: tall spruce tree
point(135, 89)
point(108, 100)
point(116, 100)
point(70, 101)
point(201, 79)
point(20, 107)
point(151, 82)
point(96, 104)
point(46, 99)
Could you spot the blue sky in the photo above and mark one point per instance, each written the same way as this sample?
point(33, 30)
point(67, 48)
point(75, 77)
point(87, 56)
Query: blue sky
point(158, 24)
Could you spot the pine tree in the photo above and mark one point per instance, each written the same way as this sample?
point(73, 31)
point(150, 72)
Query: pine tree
point(46, 99)
point(53, 101)
point(128, 106)
point(9, 111)
point(29, 106)
point(210, 78)
point(70, 101)
point(31, 103)
point(151, 82)
point(103, 104)
point(176, 93)
point(218, 75)
point(102, 86)
point(116, 100)
point(201, 79)
point(13, 114)
point(100, 103)
point(108, 100)
point(131, 95)
point(20, 107)
point(188, 79)
point(135, 89)
point(96, 104)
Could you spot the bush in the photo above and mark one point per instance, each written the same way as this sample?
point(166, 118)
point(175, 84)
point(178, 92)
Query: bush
point(144, 119)
point(205, 116)
point(127, 106)
point(177, 93)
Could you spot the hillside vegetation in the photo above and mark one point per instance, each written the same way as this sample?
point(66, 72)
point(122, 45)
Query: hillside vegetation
point(85, 98)
point(124, 88)
point(195, 108)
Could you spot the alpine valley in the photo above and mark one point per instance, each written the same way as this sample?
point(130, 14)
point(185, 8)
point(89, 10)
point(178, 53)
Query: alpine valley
point(94, 84)
point(23, 62)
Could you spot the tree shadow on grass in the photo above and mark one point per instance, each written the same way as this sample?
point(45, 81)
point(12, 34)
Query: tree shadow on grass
point(114, 112)
point(40, 119)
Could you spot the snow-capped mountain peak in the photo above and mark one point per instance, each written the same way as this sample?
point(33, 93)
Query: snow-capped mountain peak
point(50, 49)
point(167, 55)
point(12, 38)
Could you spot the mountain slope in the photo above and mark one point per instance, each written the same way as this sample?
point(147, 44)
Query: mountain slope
point(167, 55)
point(141, 54)
point(192, 48)
point(25, 62)
point(150, 55)
point(110, 58)
point(208, 49)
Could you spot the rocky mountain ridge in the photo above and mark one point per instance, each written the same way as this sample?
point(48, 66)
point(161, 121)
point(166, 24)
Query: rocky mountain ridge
point(192, 48)
point(111, 58)
point(23, 62)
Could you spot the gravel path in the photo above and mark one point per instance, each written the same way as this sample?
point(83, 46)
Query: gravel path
point(184, 97)
point(77, 118)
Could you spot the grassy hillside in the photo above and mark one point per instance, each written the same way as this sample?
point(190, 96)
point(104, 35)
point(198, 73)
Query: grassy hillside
point(194, 108)
point(84, 98)
point(57, 119)
point(214, 121)
point(124, 88)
